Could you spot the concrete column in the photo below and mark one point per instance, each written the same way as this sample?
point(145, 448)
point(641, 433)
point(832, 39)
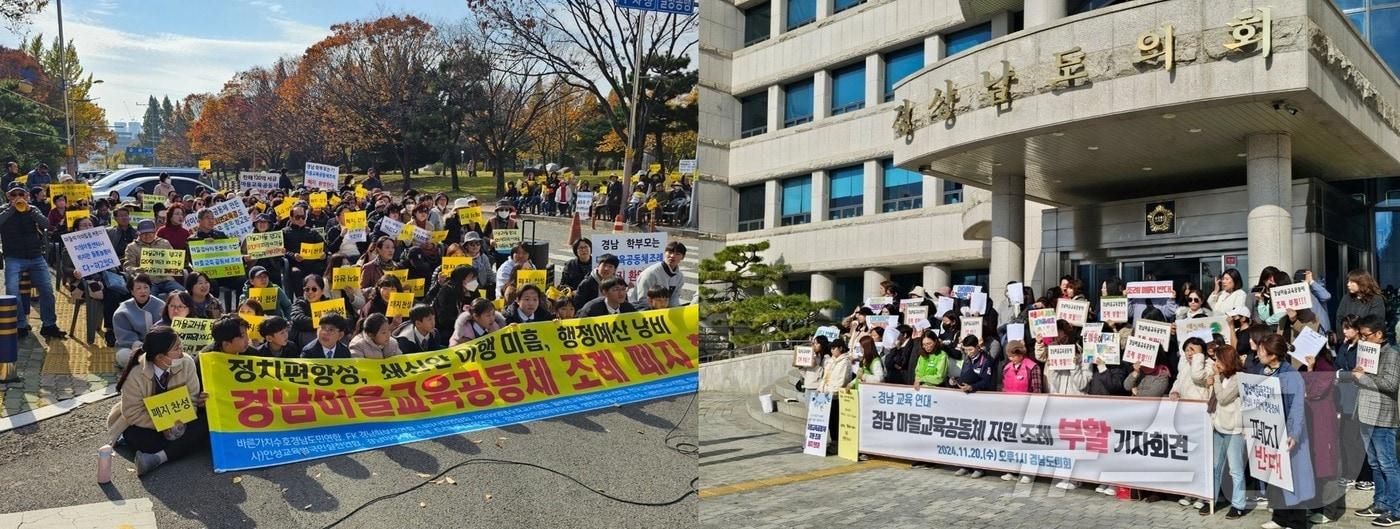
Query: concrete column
point(1008, 232)
point(1001, 24)
point(937, 275)
point(824, 9)
point(874, 80)
point(1269, 177)
point(776, 100)
point(773, 198)
point(1044, 11)
point(823, 288)
point(934, 49)
point(872, 183)
point(821, 94)
point(779, 18)
point(873, 278)
point(933, 192)
point(821, 195)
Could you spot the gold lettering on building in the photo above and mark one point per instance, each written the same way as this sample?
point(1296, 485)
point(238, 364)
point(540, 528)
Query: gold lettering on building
point(1252, 27)
point(999, 89)
point(1071, 66)
point(904, 119)
point(944, 102)
point(1157, 48)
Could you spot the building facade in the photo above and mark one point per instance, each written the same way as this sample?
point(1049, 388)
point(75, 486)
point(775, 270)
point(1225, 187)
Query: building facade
point(938, 142)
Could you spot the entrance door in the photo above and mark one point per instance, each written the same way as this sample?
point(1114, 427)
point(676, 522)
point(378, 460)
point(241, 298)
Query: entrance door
point(1199, 271)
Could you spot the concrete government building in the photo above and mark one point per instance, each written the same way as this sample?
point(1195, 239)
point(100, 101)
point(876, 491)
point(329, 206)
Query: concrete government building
point(938, 142)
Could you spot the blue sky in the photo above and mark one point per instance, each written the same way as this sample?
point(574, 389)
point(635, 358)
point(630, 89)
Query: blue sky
point(178, 47)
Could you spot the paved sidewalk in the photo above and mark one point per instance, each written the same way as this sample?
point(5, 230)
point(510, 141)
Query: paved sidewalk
point(74, 367)
point(734, 448)
point(124, 514)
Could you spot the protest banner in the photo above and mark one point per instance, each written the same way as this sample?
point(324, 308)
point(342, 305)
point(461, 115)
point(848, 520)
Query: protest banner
point(356, 226)
point(361, 192)
point(317, 201)
point(138, 215)
point(915, 314)
point(965, 291)
point(1107, 350)
point(345, 277)
point(72, 216)
point(399, 304)
point(530, 277)
point(169, 406)
point(151, 201)
point(1265, 430)
point(266, 297)
point(1074, 312)
point(971, 326)
point(634, 251)
point(393, 228)
point(313, 251)
point(848, 425)
point(321, 176)
point(1016, 293)
point(1141, 351)
point(818, 414)
point(416, 286)
point(878, 303)
point(1016, 332)
point(284, 210)
point(271, 411)
point(686, 166)
point(1119, 441)
point(1061, 358)
point(469, 216)
point(191, 221)
point(324, 307)
point(91, 251)
point(1113, 310)
point(258, 182)
point(1368, 356)
point(205, 164)
point(232, 218)
point(944, 305)
point(583, 204)
point(73, 192)
point(195, 334)
point(1043, 323)
point(451, 263)
point(265, 244)
point(438, 236)
point(401, 273)
point(1212, 325)
point(803, 356)
point(1153, 330)
point(506, 239)
point(159, 261)
point(1149, 290)
point(217, 257)
point(253, 322)
point(1092, 332)
point(829, 331)
point(1291, 296)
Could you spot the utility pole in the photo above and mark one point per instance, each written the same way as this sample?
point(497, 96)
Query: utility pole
point(64, 72)
point(627, 168)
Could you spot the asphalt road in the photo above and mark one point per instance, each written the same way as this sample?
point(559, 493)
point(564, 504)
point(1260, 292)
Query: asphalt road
point(620, 451)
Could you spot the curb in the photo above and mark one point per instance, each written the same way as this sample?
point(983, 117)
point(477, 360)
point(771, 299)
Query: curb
point(54, 410)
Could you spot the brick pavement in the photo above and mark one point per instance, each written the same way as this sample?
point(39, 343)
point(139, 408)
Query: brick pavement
point(42, 389)
point(735, 448)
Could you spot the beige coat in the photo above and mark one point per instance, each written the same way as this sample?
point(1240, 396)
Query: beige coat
point(361, 346)
point(131, 262)
point(140, 383)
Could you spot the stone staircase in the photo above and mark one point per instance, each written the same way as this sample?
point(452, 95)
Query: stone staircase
point(791, 416)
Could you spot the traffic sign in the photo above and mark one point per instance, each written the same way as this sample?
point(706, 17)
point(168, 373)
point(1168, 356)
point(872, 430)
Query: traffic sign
point(679, 7)
point(140, 151)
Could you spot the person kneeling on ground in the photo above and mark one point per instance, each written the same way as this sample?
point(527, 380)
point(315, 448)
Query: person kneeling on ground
point(157, 366)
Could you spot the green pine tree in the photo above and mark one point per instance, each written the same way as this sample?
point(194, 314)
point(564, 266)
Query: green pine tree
point(736, 290)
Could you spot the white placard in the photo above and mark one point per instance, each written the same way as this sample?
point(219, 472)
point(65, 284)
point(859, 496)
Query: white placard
point(1016, 293)
point(971, 326)
point(1122, 441)
point(634, 251)
point(91, 251)
point(877, 303)
point(965, 291)
point(391, 227)
point(321, 176)
point(1265, 430)
point(583, 204)
point(979, 303)
point(1093, 332)
point(1061, 358)
point(829, 331)
point(1368, 357)
point(258, 182)
point(889, 339)
point(191, 221)
point(921, 325)
point(1113, 310)
point(944, 306)
point(818, 413)
point(1141, 351)
point(1153, 330)
point(1211, 325)
point(888, 322)
point(232, 218)
point(1016, 332)
point(1291, 296)
point(1307, 343)
point(686, 166)
point(914, 314)
point(1043, 322)
point(1074, 312)
point(804, 356)
point(1106, 350)
point(1149, 290)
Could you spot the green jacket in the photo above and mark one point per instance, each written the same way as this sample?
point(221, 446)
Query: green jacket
point(932, 369)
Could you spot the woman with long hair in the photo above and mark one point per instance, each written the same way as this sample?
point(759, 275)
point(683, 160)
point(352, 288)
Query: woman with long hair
point(157, 366)
point(205, 303)
point(477, 321)
point(355, 295)
point(1363, 298)
point(1228, 292)
point(377, 302)
point(1227, 422)
point(1287, 505)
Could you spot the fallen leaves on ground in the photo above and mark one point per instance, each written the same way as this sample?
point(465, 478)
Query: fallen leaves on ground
point(238, 479)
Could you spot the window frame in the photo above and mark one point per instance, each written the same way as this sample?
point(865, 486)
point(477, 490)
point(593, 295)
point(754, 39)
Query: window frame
point(798, 217)
point(891, 203)
point(856, 104)
point(767, 29)
point(847, 211)
point(789, 121)
point(752, 224)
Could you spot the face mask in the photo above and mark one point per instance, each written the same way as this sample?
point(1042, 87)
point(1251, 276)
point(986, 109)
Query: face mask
point(471, 285)
point(503, 214)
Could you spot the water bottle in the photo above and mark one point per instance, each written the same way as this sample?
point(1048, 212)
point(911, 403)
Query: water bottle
point(104, 464)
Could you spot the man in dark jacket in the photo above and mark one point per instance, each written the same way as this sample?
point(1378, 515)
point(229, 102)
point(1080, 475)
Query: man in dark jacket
point(22, 229)
point(577, 268)
point(40, 176)
point(122, 233)
point(588, 288)
point(293, 237)
point(419, 333)
point(614, 197)
point(372, 181)
point(327, 344)
point(613, 300)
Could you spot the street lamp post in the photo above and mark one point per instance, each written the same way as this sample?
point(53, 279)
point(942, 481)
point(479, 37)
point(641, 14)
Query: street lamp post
point(63, 72)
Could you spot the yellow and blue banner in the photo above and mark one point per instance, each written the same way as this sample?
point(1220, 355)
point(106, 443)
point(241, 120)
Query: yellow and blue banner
point(272, 411)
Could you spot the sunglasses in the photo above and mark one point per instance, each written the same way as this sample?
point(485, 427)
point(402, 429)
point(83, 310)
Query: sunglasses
point(310, 289)
point(1195, 300)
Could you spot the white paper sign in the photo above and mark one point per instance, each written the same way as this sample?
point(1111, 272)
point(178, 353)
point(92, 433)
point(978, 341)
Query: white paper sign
point(818, 413)
point(1141, 351)
point(258, 182)
point(882, 321)
point(1016, 293)
point(979, 303)
point(1368, 357)
point(1308, 343)
point(829, 331)
point(1212, 325)
point(914, 314)
point(583, 204)
point(1292, 296)
point(1113, 310)
point(888, 340)
point(1093, 332)
point(878, 302)
point(191, 220)
point(920, 326)
point(1061, 358)
point(1016, 332)
point(1074, 312)
point(1153, 330)
point(971, 326)
point(944, 306)
point(1265, 430)
point(1150, 290)
point(804, 356)
point(686, 166)
point(636, 251)
point(321, 176)
point(91, 251)
point(232, 218)
point(1106, 350)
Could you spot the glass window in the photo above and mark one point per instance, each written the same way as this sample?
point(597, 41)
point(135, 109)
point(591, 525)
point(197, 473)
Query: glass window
point(751, 202)
point(753, 115)
point(758, 23)
point(801, 13)
point(1385, 34)
point(900, 64)
point(797, 107)
point(958, 41)
point(952, 192)
point(848, 89)
point(904, 189)
point(842, 5)
point(1080, 6)
point(1358, 20)
point(797, 200)
point(1018, 21)
point(847, 192)
point(1350, 4)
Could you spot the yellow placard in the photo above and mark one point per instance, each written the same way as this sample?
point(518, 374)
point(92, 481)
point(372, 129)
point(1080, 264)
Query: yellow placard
point(162, 262)
point(345, 277)
point(205, 165)
point(284, 210)
point(439, 236)
point(399, 304)
point(170, 406)
point(335, 200)
point(195, 333)
point(654, 168)
point(72, 192)
point(406, 233)
point(313, 251)
point(318, 201)
point(481, 292)
point(401, 274)
point(253, 321)
point(265, 244)
point(530, 277)
point(451, 263)
point(500, 303)
point(360, 192)
point(848, 425)
point(415, 287)
point(322, 308)
point(470, 215)
point(355, 220)
point(74, 216)
point(267, 297)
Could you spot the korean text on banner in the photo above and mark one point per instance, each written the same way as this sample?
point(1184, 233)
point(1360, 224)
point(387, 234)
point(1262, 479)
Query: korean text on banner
point(451, 263)
point(1113, 310)
point(1043, 323)
point(634, 251)
point(401, 273)
point(195, 333)
point(318, 201)
point(530, 277)
point(265, 244)
point(965, 291)
point(878, 303)
point(1156, 331)
point(391, 227)
point(322, 176)
point(232, 218)
point(345, 277)
point(150, 201)
point(1266, 431)
point(804, 356)
point(1141, 351)
point(399, 304)
point(1074, 312)
point(848, 425)
point(1213, 325)
point(1076, 438)
point(818, 416)
point(313, 251)
point(971, 326)
point(1291, 296)
point(205, 164)
point(266, 297)
point(253, 323)
point(258, 182)
point(271, 411)
point(829, 331)
point(583, 204)
point(1107, 351)
point(355, 225)
point(329, 306)
point(159, 261)
point(469, 216)
point(1368, 357)
point(91, 251)
point(1307, 343)
point(72, 216)
point(218, 257)
point(1061, 358)
point(915, 314)
point(1149, 290)
point(73, 192)
point(506, 239)
point(416, 286)
point(170, 406)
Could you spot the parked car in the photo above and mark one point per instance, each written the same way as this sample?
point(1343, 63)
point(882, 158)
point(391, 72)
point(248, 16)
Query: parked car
point(106, 183)
point(127, 188)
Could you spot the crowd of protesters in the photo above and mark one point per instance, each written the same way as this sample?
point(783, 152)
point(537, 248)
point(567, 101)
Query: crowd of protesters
point(1341, 421)
point(651, 199)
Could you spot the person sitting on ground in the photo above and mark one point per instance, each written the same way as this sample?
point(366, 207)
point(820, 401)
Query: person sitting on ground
point(613, 300)
point(161, 284)
point(527, 307)
point(260, 277)
point(333, 328)
point(177, 305)
point(156, 367)
point(419, 333)
point(375, 339)
point(658, 298)
point(477, 321)
point(230, 336)
point(588, 288)
point(277, 343)
point(204, 304)
point(665, 274)
point(135, 317)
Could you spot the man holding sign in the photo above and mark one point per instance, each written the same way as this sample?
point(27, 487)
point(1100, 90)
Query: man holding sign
point(22, 229)
point(161, 284)
point(1376, 410)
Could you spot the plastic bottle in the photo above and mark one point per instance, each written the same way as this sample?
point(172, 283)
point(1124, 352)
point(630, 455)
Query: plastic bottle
point(104, 464)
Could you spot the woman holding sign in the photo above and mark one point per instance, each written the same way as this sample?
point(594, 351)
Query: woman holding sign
point(1287, 505)
point(158, 366)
